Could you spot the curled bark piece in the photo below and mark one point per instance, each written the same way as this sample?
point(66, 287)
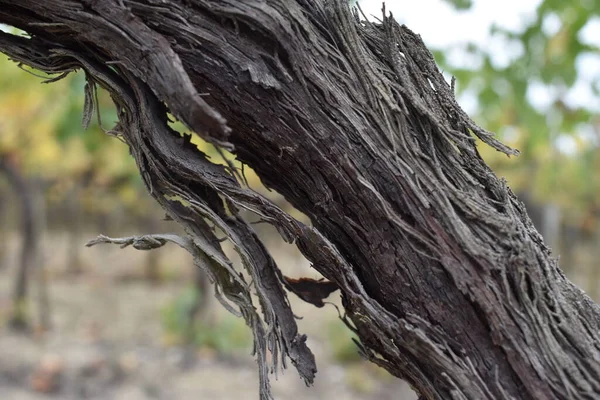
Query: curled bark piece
point(144, 242)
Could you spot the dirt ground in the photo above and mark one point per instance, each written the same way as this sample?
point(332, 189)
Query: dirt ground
point(107, 340)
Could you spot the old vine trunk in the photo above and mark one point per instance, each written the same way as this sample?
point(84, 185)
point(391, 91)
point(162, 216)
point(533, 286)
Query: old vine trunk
point(442, 274)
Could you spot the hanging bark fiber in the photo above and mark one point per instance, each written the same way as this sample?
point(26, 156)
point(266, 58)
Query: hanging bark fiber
point(442, 274)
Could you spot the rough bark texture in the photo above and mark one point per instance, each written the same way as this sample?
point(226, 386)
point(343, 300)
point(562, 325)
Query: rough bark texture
point(442, 274)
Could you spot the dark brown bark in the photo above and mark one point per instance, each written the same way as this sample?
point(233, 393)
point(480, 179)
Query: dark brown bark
point(442, 274)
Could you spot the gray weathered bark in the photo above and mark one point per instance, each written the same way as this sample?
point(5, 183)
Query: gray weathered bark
point(442, 274)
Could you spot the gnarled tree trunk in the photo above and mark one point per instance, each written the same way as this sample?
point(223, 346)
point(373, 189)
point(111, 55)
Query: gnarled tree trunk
point(442, 274)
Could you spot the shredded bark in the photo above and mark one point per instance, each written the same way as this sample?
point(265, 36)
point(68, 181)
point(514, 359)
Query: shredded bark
point(443, 276)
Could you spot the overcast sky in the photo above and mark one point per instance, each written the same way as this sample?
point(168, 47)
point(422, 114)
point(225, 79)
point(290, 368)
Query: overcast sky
point(439, 24)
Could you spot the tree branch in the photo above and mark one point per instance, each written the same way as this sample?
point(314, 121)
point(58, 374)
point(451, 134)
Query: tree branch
point(447, 282)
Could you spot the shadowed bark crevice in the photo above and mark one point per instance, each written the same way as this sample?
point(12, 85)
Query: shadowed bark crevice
point(442, 274)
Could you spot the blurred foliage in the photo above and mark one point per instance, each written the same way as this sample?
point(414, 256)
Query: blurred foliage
point(224, 335)
point(42, 135)
point(343, 349)
point(460, 4)
point(529, 86)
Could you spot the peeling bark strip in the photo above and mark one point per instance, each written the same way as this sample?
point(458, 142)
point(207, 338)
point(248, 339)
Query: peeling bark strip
point(443, 276)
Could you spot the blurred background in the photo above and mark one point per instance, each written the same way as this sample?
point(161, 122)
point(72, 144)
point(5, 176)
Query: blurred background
point(110, 323)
